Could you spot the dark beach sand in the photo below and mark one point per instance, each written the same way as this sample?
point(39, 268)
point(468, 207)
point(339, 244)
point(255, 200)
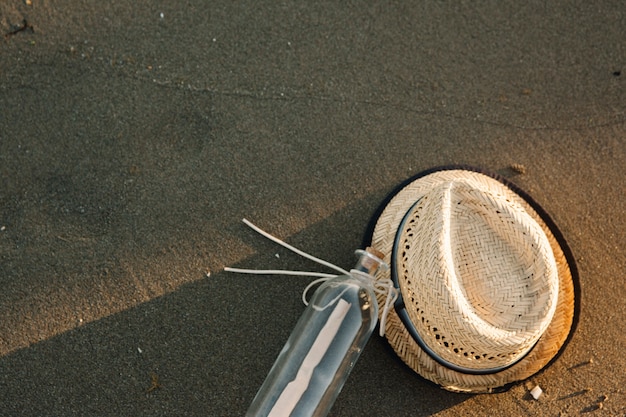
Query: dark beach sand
point(135, 136)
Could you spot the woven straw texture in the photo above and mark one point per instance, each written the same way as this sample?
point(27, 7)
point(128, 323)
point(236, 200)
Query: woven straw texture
point(483, 279)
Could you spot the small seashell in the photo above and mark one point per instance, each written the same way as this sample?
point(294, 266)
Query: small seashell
point(519, 168)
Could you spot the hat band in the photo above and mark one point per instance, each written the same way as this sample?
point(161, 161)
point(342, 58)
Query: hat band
point(400, 309)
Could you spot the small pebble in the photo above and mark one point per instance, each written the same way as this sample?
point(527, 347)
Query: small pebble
point(519, 168)
point(536, 392)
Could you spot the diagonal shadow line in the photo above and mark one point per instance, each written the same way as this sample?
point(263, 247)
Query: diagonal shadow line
point(206, 347)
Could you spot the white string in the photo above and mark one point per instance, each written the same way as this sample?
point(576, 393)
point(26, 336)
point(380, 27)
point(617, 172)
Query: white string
point(322, 276)
point(296, 250)
point(381, 287)
point(311, 285)
point(280, 272)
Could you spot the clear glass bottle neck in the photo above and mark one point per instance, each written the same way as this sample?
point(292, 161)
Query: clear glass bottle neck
point(370, 261)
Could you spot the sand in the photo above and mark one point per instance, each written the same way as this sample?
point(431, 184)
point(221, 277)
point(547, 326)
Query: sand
point(135, 136)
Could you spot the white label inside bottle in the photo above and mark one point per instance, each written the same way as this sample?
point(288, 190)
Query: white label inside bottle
point(295, 389)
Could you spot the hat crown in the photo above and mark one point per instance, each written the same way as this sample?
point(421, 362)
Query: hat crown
point(477, 274)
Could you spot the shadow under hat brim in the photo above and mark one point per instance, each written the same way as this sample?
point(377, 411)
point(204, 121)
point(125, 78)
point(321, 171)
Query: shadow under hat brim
point(550, 344)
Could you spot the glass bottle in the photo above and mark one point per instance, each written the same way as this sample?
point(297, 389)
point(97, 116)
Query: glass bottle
point(314, 364)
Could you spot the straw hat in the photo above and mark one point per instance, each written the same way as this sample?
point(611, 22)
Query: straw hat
point(487, 283)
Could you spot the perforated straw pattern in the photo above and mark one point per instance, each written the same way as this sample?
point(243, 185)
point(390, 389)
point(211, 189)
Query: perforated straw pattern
point(485, 283)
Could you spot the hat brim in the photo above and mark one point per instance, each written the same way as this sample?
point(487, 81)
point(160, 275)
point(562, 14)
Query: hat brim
point(381, 234)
